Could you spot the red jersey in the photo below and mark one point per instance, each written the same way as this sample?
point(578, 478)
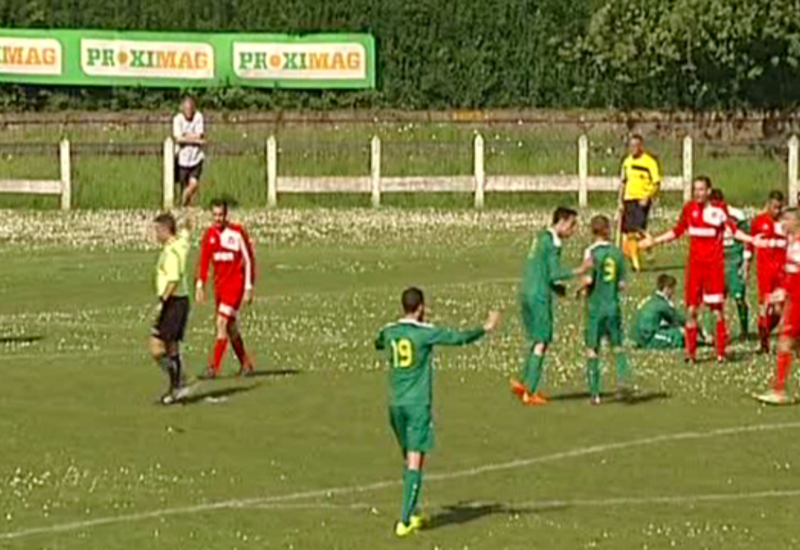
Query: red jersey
point(705, 224)
point(229, 249)
point(771, 256)
point(793, 268)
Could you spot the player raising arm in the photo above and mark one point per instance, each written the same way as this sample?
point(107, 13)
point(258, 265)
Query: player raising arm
point(790, 327)
point(408, 344)
point(227, 246)
point(705, 266)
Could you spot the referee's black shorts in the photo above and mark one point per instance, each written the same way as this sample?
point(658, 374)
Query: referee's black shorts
point(634, 216)
point(171, 323)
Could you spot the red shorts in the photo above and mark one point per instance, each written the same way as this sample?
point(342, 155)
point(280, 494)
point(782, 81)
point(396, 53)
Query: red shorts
point(770, 285)
point(791, 318)
point(704, 284)
point(228, 301)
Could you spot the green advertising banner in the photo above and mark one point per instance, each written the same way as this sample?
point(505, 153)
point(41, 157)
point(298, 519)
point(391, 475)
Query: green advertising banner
point(103, 58)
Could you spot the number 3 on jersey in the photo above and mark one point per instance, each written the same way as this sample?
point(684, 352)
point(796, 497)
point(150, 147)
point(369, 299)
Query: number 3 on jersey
point(609, 270)
point(402, 353)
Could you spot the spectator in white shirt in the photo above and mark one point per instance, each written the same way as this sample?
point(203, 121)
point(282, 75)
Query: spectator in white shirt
point(189, 134)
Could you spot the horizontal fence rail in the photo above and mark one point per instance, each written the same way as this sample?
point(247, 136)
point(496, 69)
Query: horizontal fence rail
point(466, 162)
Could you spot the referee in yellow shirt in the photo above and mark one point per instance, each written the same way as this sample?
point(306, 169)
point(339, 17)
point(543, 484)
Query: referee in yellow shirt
point(641, 181)
point(173, 296)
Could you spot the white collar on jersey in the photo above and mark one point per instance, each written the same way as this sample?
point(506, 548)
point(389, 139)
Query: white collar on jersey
point(556, 238)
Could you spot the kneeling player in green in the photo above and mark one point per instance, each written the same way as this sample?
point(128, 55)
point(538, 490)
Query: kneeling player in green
point(541, 279)
point(602, 284)
point(409, 347)
point(659, 325)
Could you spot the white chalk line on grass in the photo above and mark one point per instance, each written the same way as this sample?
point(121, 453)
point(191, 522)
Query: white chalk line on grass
point(535, 505)
point(357, 489)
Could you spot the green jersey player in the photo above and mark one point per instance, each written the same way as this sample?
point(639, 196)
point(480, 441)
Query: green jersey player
point(659, 325)
point(602, 285)
point(408, 345)
point(542, 277)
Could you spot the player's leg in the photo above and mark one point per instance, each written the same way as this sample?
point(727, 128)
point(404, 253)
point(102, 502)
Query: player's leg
point(419, 439)
point(713, 289)
point(158, 350)
point(220, 344)
point(764, 309)
point(616, 337)
point(693, 292)
point(193, 184)
point(787, 344)
point(245, 364)
point(538, 322)
point(592, 336)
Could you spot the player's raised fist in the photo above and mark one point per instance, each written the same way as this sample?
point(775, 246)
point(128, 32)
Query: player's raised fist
point(493, 321)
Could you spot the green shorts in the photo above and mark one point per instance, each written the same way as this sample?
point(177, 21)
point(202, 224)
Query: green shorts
point(413, 427)
point(734, 283)
point(603, 325)
point(663, 338)
point(537, 319)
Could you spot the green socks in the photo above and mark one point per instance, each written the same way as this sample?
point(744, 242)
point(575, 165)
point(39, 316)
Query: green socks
point(744, 316)
point(412, 486)
point(593, 375)
point(533, 371)
point(623, 372)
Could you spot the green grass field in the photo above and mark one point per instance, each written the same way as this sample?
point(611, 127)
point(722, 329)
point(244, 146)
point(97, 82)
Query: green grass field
point(302, 456)
point(119, 166)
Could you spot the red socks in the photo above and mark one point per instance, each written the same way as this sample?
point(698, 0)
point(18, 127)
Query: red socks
point(238, 348)
point(691, 342)
point(721, 339)
point(784, 365)
point(215, 361)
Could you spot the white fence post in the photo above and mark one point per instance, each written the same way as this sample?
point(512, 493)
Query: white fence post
point(66, 174)
point(375, 170)
point(583, 171)
point(272, 171)
point(169, 173)
point(687, 168)
point(480, 172)
point(794, 145)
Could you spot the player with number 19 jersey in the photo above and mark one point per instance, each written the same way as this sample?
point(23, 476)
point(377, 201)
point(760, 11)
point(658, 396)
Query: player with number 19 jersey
point(408, 345)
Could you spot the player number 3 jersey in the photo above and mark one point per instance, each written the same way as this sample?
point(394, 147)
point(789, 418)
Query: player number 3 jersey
point(231, 252)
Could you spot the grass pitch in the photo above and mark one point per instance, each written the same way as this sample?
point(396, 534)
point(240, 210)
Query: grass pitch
point(302, 456)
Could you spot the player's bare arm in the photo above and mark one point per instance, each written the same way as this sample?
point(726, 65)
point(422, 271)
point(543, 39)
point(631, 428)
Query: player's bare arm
point(664, 238)
point(493, 321)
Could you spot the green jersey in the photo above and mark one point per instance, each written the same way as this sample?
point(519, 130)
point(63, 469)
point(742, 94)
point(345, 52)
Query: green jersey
point(735, 252)
point(655, 312)
point(543, 267)
point(606, 275)
point(409, 348)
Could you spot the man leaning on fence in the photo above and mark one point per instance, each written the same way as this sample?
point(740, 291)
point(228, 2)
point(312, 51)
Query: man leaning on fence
point(641, 181)
point(189, 134)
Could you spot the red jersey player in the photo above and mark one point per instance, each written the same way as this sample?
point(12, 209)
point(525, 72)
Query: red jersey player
point(228, 247)
point(770, 263)
point(705, 269)
point(790, 328)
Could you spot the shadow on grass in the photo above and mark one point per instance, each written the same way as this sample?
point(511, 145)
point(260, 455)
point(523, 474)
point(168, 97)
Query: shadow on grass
point(637, 398)
point(221, 393)
point(466, 512)
point(265, 373)
point(21, 339)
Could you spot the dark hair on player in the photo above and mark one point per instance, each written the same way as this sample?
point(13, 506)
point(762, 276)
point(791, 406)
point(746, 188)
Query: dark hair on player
point(637, 137)
point(220, 203)
point(600, 225)
point(412, 299)
point(776, 195)
point(167, 220)
point(706, 180)
point(563, 213)
point(717, 195)
point(666, 281)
